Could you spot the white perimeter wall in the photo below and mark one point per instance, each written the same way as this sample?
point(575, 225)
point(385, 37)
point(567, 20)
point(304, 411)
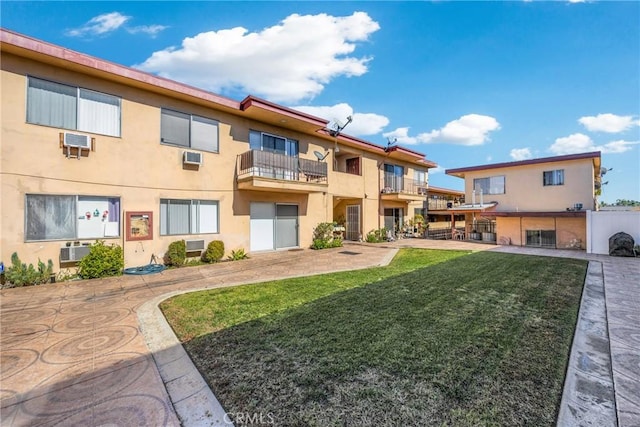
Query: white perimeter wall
point(603, 224)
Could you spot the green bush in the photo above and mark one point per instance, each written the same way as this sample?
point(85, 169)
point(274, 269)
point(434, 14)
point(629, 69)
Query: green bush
point(19, 274)
point(101, 261)
point(238, 255)
point(176, 254)
point(323, 237)
point(377, 236)
point(214, 252)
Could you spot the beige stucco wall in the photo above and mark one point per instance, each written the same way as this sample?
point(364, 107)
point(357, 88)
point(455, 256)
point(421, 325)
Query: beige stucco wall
point(524, 189)
point(140, 171)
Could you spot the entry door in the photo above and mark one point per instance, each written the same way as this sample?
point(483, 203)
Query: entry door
point(286, 224)
point(273, 226)
point(393, 219)
point(353, 222)
point(262, 228)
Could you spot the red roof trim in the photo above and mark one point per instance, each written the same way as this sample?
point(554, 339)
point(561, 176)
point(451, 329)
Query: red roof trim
point(445, 190)
point(569, 214)
point(28, 43)
point(590, 155)
point(253, 101)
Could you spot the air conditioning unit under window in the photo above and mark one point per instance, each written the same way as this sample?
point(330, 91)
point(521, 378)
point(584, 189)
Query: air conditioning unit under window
point(192, 158)
point(194, 245)
point(73, 253)
point(77, 140)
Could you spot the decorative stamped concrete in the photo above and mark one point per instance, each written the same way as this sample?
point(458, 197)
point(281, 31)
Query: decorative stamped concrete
point(73, 353)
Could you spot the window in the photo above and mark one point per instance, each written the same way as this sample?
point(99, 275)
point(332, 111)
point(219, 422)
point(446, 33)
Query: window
point(541, 238)
point(71, 217)
point(492, 185)
point(393, 178)
point(187, 130)
point(276, 144)
point(188, 216)
point(353, 166)
point(420, 177)
point(555, 177)
point(70, 107)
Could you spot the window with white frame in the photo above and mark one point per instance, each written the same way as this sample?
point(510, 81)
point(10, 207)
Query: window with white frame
point(69, 107)
point(61, 217)
point(188, 130)
point(420, 176)
point(555, 177)
point(491, 185)
point(277, 144)
point(188, 216)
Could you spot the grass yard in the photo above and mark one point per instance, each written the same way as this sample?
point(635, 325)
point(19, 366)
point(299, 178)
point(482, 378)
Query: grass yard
point(436, 338)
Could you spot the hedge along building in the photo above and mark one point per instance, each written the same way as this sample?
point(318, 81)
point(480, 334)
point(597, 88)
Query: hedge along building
point(536, 202)
point(95, 150)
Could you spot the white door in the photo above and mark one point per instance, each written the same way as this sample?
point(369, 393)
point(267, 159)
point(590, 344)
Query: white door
point(262, 219)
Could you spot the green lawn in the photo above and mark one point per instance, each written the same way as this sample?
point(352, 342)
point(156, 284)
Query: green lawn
point(436, 338)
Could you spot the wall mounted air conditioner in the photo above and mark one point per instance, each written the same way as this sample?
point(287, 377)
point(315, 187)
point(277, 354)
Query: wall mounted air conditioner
point(77, 140)
point(73, 253)
point(194, 245)
point(192, 158)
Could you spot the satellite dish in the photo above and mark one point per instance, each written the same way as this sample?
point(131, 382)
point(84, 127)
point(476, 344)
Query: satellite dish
point(321, 156)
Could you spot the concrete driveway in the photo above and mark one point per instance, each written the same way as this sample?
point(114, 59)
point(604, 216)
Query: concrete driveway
point(73, 353)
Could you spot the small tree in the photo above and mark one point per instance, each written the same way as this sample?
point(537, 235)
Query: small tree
point(214, 252)
point(101, 261)
point(323, 237)
point(176, 254)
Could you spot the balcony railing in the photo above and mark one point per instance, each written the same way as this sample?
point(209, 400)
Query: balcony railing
point(395, 184)
point(267, 164)
point(441, 204)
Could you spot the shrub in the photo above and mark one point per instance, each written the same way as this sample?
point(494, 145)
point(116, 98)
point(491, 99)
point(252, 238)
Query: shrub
point(176, 254)
point(238, 255)
point(19, 274)
point(101, 261)
point(377, 236)
point(323, 237)
point(214, 252)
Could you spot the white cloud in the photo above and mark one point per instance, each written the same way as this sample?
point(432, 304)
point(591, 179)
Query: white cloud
point(581, 143)
point(472, 129)
point(438, 169)
point(401, 135)
point(287, 62)
point(362, 124)
point(151, 30)
point(520, 154)
point(100, 24)
point(610, 123)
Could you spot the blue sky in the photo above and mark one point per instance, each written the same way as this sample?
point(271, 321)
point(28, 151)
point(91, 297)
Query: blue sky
point(466, 83)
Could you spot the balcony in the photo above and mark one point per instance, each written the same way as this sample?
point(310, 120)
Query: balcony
point(397, 188)
point(269, 171)
point(442, 204)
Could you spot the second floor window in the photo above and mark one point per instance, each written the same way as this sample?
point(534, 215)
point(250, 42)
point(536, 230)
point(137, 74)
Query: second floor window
point(491, 185)
point(555, 177)
point(69, 107)
point(276, 144)
point(420, 177)
point(188, 130)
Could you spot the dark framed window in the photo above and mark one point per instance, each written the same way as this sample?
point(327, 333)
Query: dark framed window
point(273, 143)
point(70, 107)
point(61, 217)
point(188, 130)
point(490, 185)
point(541, 238)
point(188, 216)
point(555, 177)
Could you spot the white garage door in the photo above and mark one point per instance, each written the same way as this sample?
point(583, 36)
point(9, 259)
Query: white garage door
point(273, 226)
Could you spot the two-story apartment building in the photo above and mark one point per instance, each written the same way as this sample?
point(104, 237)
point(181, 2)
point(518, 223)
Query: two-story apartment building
point(537, 202)
point(95, 150)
